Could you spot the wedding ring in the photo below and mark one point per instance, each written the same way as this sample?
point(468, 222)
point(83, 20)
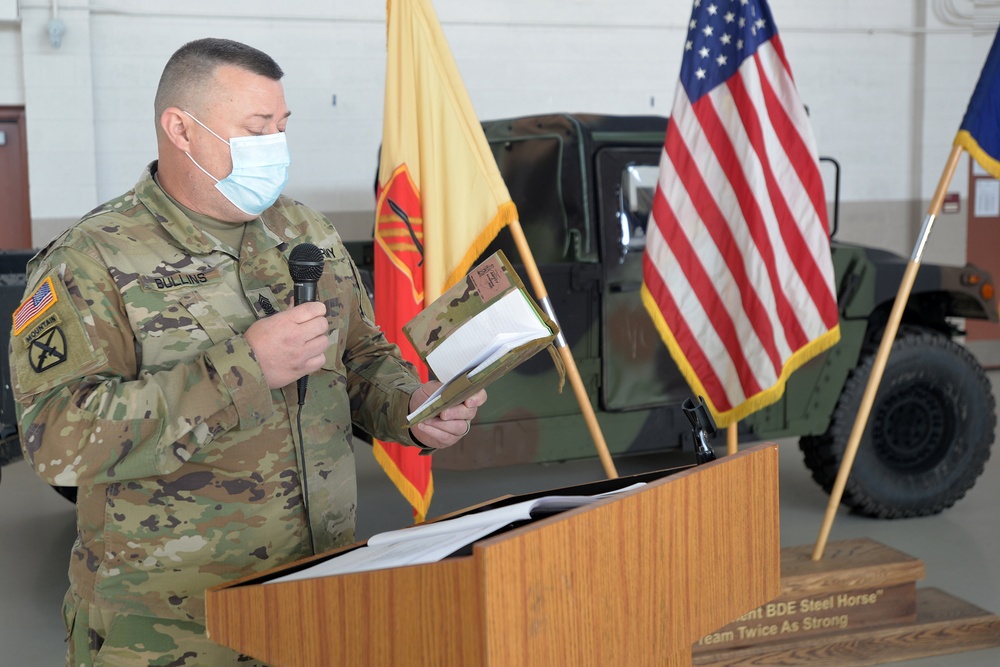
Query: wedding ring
point(468, 427)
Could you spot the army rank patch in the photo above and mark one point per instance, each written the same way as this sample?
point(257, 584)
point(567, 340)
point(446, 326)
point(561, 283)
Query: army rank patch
point(43, 298)
point(264, 302)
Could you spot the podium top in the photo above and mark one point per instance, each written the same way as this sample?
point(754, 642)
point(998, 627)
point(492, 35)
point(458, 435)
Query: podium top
point(345, 560)
point(633, 579)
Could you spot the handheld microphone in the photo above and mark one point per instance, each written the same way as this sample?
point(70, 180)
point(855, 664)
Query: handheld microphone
point(305, 264)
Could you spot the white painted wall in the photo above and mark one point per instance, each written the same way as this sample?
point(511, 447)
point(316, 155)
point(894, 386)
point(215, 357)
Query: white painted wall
point(886, 83)
point(11, 66)
point(59, 100)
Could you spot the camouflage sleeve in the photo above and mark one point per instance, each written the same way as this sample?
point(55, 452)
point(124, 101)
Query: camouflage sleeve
point(95, 417)
point(379, 381)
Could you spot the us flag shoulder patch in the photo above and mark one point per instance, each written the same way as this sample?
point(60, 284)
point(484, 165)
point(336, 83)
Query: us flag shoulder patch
point(40, 300)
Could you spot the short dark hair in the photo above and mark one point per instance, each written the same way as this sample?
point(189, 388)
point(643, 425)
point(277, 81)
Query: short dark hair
point(192, 67)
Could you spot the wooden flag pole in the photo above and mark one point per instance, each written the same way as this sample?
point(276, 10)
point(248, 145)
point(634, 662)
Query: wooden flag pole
point(732, 441)
point(882, 356)
point(576, 382)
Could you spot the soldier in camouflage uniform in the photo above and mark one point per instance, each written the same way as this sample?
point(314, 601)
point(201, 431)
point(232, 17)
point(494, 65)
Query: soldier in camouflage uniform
point(154, 363)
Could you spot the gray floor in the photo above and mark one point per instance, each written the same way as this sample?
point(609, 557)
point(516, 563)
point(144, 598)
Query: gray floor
point(959, 547)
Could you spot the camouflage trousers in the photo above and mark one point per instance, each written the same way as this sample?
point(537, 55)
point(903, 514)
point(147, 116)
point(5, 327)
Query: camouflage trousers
point(101, 638)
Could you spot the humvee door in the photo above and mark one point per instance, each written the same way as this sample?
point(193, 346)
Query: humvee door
point(637, 371)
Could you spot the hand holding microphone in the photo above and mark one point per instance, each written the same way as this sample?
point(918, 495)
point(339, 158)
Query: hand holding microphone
point(291, 344)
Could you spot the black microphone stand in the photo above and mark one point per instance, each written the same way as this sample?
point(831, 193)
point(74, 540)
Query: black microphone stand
point(702, 428)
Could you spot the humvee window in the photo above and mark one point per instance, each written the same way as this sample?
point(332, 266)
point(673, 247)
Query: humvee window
point(638, 183)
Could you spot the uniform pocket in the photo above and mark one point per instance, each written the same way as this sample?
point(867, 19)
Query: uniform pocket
point(180, 330)
point(71, 604)
point(334, 355)
point(210, 320)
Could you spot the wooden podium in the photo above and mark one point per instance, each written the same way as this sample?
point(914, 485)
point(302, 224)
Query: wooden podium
point(633, 579)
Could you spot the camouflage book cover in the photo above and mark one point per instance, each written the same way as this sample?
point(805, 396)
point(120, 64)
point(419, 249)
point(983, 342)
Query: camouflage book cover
point(477, 331)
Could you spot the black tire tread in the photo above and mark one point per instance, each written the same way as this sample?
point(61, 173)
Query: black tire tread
point(822, 454)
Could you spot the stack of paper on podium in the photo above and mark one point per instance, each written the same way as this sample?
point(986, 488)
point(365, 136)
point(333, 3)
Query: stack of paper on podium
point(430, 542)
point(475, 332)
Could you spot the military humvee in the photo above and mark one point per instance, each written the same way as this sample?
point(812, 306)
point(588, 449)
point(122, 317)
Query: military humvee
point(12, 264)
point(583, 186)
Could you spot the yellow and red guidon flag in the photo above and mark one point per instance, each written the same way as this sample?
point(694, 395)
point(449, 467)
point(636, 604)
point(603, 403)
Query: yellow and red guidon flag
point(737, 273)
point(441, 199)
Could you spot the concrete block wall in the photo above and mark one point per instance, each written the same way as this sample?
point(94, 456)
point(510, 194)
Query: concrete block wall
point(11, 65)
point(886, 84)
point(58, 94)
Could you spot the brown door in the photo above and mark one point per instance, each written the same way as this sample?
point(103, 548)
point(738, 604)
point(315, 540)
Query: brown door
point(15, 215)
point(983, 241)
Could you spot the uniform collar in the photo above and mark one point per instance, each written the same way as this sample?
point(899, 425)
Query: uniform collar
point(269, 230)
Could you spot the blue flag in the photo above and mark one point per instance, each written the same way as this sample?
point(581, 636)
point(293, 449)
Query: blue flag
point(980, 130)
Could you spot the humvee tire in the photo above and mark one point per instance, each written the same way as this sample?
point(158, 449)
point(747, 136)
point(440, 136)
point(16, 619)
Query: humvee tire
point(928, 436)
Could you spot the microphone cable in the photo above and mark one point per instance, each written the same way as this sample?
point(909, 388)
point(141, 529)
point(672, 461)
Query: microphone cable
point(305, 265)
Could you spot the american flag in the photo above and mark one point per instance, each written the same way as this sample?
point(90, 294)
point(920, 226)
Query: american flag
point(43, 297)
point(737, 272)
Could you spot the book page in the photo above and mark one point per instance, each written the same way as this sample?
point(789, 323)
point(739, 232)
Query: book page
point(427, 549)
point(426, 543)
point(509, 315)
point(497, 348)
point(500, 346)
point(429, 543)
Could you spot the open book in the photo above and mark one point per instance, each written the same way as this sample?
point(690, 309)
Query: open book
point(475, 332)
point(430, 542)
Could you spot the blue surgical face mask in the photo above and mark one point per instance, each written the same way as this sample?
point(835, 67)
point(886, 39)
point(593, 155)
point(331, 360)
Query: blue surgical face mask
point(260, 170)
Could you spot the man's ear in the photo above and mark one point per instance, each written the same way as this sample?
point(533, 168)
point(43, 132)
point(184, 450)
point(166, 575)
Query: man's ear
point(175, 126)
